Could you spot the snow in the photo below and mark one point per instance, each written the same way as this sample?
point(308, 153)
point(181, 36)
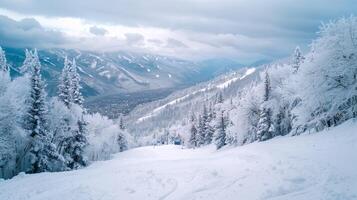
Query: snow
point(169, 75)
point(173, 102)
point(180, 99)
point(230, 81)
point(127, 59)
point(315, 166)
point(84, 72)
point(102, 73)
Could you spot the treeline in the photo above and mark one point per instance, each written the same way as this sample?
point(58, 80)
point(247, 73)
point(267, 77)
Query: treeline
point(43, 134)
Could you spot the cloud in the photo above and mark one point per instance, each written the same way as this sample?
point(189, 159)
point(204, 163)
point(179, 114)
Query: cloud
point(155, 42)
point(236, 28)
point(133, 39)
point(95, 30)
point(28, 33)
point(173, 43)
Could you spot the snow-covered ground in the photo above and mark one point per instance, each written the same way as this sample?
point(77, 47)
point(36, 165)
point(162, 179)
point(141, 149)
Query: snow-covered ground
point(316, 166)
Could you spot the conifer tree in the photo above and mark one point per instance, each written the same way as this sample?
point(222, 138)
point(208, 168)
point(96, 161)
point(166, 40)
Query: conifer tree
point(298, 59)
point(4, 72)
point(41, 150)
point(220, 97)
point(193, 141)
point(208, 130)
point(65, 85)
point(265, 126)
point(121, 123)
point(3, 64)
point(76, 93)
point(122, 142)
point(200, 131)
point(221, 136)
point(27, 64)
point(75, 140)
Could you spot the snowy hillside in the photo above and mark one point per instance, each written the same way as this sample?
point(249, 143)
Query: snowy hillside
point(175, 109)
point(317, 166)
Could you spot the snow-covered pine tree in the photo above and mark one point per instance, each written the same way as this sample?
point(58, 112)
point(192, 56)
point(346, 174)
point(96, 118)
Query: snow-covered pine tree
point(201, 131)
point(193, 140)
point(65, 85)
point(220, 136)
point(265, 125)
point(74, 141)
point(207, 129)
point(220, 97)
point(79, 140)
point(27, 64)
point(78, 144)
point(267, 86)
point(3, 64)
point(41, 151)
point(209, 132)
point(76, 93)
point(121, 123)
point(122, 142)
point(4, 72)
point(297, 59)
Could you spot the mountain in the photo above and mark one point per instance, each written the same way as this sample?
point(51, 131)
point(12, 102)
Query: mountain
point(120, 72)
point(312, 166)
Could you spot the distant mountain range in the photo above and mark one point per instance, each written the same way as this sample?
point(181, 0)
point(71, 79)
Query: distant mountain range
point(122, 72)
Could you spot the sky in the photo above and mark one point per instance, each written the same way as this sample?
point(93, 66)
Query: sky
point(243, 30)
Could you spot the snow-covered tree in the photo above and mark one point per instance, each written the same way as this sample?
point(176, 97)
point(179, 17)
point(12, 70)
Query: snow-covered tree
point(72, 146)
point(3, 64)
point(27, 64)
point(327, 85)
point(41, 151)
point(200, 131)
point(122, 142)
point(267, 86)
point(265, 125)
point(219, 98)
point(208, 129)
point(297, 59)
point(193, 140)
point(75, 78)
point(265, 128)
point(65, 88)
point(121, 123)
point(220, 135)
point(4, 72)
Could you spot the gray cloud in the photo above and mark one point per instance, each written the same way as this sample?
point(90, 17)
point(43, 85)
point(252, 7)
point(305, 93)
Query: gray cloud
point(95, 30)
point(270, 28)
point(134, 39)
point(173, 43)
point(28, 33)
point(156, 42)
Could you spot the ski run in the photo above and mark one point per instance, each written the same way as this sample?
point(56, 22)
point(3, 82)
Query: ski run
point(309, 166)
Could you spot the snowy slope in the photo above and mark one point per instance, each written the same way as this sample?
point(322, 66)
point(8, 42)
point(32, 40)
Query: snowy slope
point(154, 117)
point(223, 85)
point(317, 166)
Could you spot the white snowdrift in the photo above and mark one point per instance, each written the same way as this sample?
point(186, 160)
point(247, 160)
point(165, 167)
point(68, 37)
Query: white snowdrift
point(317, 166)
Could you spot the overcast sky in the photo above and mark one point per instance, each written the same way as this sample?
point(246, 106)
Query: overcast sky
point(244, 30)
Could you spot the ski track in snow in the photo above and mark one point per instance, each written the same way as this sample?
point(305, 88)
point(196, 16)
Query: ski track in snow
point(316, 166)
